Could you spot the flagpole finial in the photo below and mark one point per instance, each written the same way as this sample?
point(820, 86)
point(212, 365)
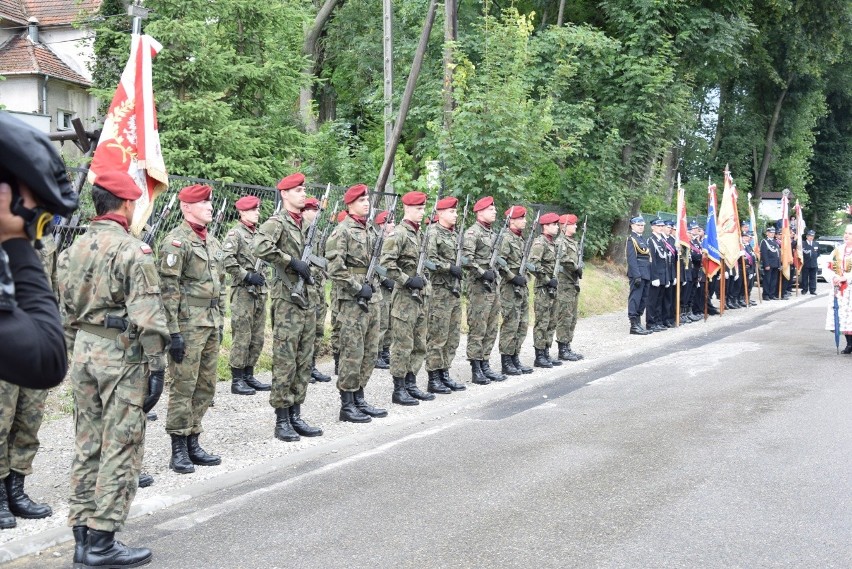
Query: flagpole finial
point(786, 192)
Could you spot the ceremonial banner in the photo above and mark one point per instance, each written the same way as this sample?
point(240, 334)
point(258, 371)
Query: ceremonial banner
point(799, 259)
point(786, 239)
point(710, 245)
point(682, 232)
point(129, 140)
point(728, 224)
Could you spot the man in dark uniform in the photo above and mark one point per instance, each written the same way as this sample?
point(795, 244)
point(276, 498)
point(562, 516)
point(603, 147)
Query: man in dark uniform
point(639, 275)
point(660, 277)
point(751, 267)
point(698, 278)
point(770, 260)
point(810, 250)
point(670, 293)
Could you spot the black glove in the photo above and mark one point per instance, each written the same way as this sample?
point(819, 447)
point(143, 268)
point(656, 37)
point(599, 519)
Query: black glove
point(580, 273)
point(637, 283)
point(255, 279)
point(366, 292)
point(489, 276)
point(221, 334)
point(518, 280)
point(456, 271)
point(155, 389)
point(415, 283)
point(177, 350)
point(302, 268)
point(553, 283)
point(388, 284)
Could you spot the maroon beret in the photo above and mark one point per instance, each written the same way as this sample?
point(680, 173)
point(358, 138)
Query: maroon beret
point(119, 184)
point(516, 211)
point(311, 203)
point(414, 198)
point(447, 203)
point(354, 193)
point(291, 181)
point(483, 203)
point(341, 216)
point(195, 194)
point(548, 218)
point(246, 203)
point(382, 217)
point(568, 219)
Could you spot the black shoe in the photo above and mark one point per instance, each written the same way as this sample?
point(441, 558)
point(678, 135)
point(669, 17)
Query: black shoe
point(541, 359)
point(381, 362)
point(490, 373)
point(846, 350)
point(81, 538)
point(450, 382)
point(198, 455)
point(553, 362)
point(386, 354)
point(670, 323)
point(103, 550)
point(19, 503)
point(813, 293)
point(435, 384)
point(366, 408)
point(349, 412)
point(517, 361)
point(300, 426)
point(151, 416)
point(317, 375)
point(180, 462)
point(414, 391)
point(252, 381)
point(566, 354)
point(336, 362)
point(400, 393)
point(283, 429)
point(508, 366)
point(238, 383)
point(637, 329)
point(145, 480)
point(7, 520)
point(476, 375)
point(577, 355)
point(657, 328)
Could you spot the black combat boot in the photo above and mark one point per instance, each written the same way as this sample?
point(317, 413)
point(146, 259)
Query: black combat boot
point(283, 429)
point(450, 382)
point(300, 426)
point(637, 329)
point(516, 359)
point(553, 362)
point(19, 503)
point(151, 416)
point(103, 550)
point(180, 456)
point(400, 393)
point(435, 384)
point(386, 354)
point(145, 480)
point(490, 373)
point(577, 355)
point(318, 375)
point(198, 455)
point(349, 412)
point(253, 382)
point(566, 354)
point(541, 360)
point(336, 362)
point(508, 366)
point(413, 390)
point(238, 382)
point(81, 536)
point(476, 374)
point(381, 362)
point(366, 408)
point(7, 520)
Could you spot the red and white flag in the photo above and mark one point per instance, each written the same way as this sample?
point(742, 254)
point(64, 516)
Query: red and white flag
point(682, 231)
point(800, 235)
point(786, 238)
point(728, 223)
point(129, 140)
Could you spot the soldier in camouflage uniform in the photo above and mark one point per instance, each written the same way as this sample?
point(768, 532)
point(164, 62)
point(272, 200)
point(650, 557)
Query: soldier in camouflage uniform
point(280, 242)
point(514, 294)
point(543, 255)
point(400, 257)
point(116, 330)
point(248, 298)
point(483, 306)
point(383, 356)
point(310, 211)
point(444, 308)
point(193, 282)
point(334, 338)
point(568, 291)
point(349, 251)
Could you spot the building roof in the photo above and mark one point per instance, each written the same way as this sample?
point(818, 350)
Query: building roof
point(20, 56)
point(48, 12)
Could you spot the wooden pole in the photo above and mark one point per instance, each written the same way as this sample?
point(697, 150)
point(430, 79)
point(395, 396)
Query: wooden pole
point(706, 293)
point(744, 276)
point(677, 287)
point(757, 275)
point(722, 287)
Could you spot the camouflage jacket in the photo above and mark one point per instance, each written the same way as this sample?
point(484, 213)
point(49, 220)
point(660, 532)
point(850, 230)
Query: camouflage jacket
point(277, 241)
point(543, 258)
point(47, 256)
point(441, 250)
point(240, 258)
point(477, 249)
point(348, 252)
point(192, 275)
point(511, 251)
point(570, 261)
point(107, 271)
point(401, 252)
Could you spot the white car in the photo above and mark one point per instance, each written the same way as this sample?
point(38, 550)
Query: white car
point(826, 246)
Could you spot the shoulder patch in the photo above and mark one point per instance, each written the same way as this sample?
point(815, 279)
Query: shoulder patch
point(176, 243)
point(232, 232)
point(146, 249)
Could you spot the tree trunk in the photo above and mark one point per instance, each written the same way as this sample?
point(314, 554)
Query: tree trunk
point(670, 159)
point(770, 141)
point(310, 49)
point(450, 31)
point(724, 87)
point(559, 18)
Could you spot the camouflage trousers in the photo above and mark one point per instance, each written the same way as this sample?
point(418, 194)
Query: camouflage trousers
point(483, 312)
point(109, 427)
point(358, 345)
point(193, 381)
point(385, 324)
point(248, 321)
point(334, 308)
point(21, 412)
point(408, 332)
point(444, 326)
point(319, 330)
point(544, 306)
point(566, 312)
point(516, 318)
point(293, 335)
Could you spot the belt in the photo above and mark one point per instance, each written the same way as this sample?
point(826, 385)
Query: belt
point(200, 302)
point(108, 333)
point(358, 270)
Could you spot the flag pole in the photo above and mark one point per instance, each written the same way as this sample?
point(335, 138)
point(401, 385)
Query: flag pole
point(744, 277)
point(677, 288)
point(757, 274)
point(706, 287)
point(722, 286)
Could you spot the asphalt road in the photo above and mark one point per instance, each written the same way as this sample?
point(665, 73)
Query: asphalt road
point(731, 452)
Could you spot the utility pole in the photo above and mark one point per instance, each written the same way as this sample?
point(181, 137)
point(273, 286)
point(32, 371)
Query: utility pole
point(387, 43)
point(139, 13)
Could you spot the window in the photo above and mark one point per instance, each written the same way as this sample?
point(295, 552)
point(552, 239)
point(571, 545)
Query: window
point(63, 120)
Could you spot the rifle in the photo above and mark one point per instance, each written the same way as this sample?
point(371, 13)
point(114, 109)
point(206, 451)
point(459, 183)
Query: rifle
point(298, 291)
point(495, 249)
point(580, 263)
point(460, 247)
point(164, 213)
point(327, 228)
point(557, 266)
point(220, 216)
point(526, 256)
point(373, 267)
point(424, 243)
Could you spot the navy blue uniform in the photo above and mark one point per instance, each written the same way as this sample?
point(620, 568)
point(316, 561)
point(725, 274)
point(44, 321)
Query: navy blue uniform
point(660, 279)
point(810, 251)
point(770, 261)
point(639, 274)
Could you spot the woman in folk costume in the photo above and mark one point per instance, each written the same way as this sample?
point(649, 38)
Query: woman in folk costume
point(839, 273)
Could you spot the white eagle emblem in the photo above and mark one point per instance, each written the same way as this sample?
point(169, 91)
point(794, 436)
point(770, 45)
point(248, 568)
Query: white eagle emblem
point(171, 259)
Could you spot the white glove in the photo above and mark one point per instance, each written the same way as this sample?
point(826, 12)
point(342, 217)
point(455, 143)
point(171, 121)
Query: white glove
point(668, 284)
point(655, 282)
point(737, 277)
point(675, 281)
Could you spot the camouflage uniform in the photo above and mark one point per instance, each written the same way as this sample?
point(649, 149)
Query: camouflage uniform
point(108, 272)
point(444, 308)
point(513, 303)
point(279, 240)
point(543, 257)
point(318, 300)
point(193, 283)
point(248, 302)
point(483, 307)
point(568, 291)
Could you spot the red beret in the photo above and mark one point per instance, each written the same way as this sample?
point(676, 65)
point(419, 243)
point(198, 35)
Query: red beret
point(195, 194)
point(414, 198)
point(311, 203)
point(517, 211)
point(548, 218)
point(568, 219)
point(382, 217)
point(354, 193)
point(447, 203)
point(119, 184)
point(483, 203)
point(291, 181)
point(341, 216)
point(246, 203)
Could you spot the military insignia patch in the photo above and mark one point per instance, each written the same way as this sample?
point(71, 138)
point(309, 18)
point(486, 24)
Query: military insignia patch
point(219, 255)
point(145, 248)
point(176, 243)
point(171, 259)
point(228, 245)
